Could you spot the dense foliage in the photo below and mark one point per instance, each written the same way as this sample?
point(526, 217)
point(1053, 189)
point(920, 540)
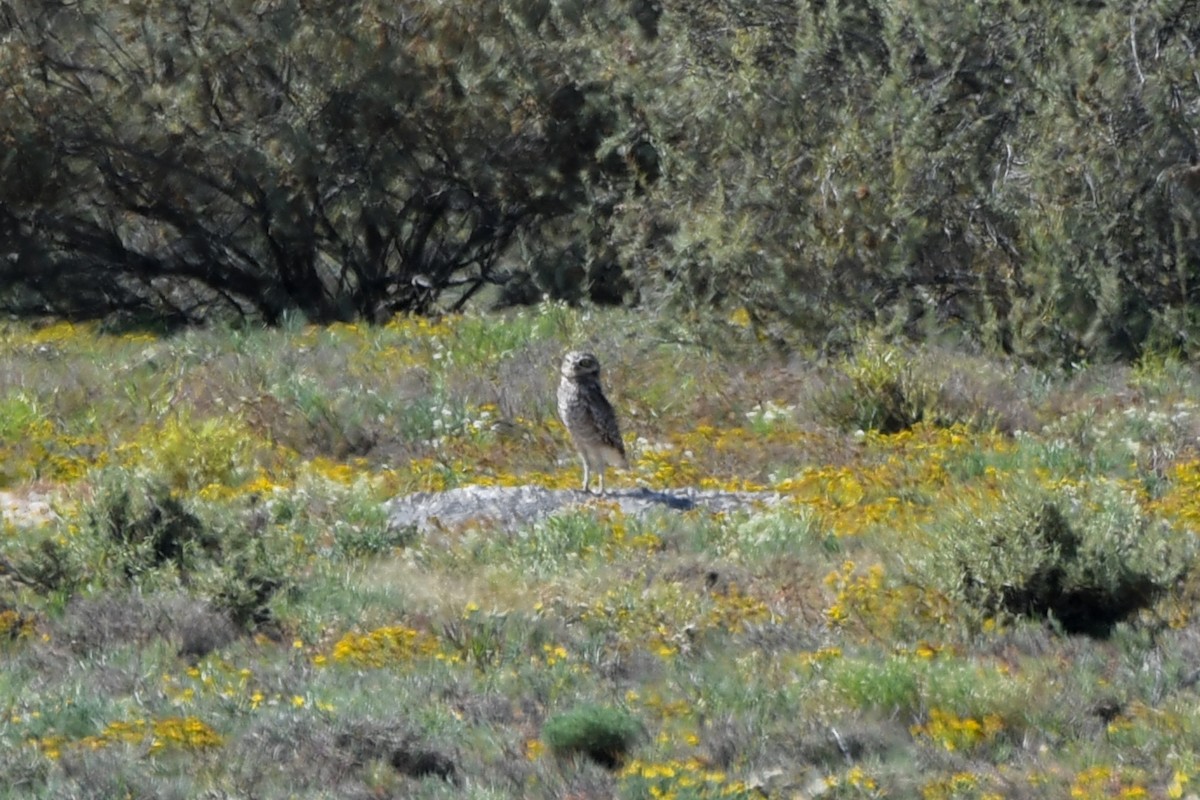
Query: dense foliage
point(341, 159)
point(1020, 173)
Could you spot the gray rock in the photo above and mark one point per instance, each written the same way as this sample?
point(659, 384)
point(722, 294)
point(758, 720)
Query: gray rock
point(512, 506)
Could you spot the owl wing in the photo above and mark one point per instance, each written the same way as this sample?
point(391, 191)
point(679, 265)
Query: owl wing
point(605, 423)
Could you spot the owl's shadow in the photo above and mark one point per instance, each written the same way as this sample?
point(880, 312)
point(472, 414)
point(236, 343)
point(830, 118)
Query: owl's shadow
point(676, 501)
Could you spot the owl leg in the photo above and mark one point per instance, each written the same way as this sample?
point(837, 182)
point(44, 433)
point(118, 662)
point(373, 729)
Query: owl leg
point(602, 470)
point(587, 478)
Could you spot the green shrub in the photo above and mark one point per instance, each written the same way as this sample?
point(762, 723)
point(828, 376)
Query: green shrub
point(1085, 554)
point(17, 413)
point(878, 391)
point(191, 453)
point(244, 585)
point(47, 565)
point(140, 525)
point(142, 532)
point(602, 733)
point(358, 540)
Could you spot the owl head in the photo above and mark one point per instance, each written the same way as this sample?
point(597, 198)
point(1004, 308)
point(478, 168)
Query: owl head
point(577, 365)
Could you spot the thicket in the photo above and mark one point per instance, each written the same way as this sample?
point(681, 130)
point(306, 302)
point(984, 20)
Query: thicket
point(1084, 555)
point(1021, 174)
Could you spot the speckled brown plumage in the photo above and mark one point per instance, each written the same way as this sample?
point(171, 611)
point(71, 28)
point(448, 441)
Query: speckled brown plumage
point(589, 416)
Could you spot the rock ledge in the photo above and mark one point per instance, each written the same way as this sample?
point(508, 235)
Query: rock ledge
point(511, 506)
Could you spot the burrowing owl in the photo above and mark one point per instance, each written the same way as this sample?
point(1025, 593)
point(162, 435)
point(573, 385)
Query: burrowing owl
point(589, 417)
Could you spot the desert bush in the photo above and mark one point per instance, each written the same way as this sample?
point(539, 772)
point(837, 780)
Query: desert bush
point(113, 771)
point(881, 385)
point(144, 534)
point(139, 525)
point(191, 453)
point(489, 638)
point(245, 583)
point(1085, 554)
point(14, 623)
point(371, 537)
point(979, 393)
point(48, 564)
point(879, 392)
point(602, 733)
